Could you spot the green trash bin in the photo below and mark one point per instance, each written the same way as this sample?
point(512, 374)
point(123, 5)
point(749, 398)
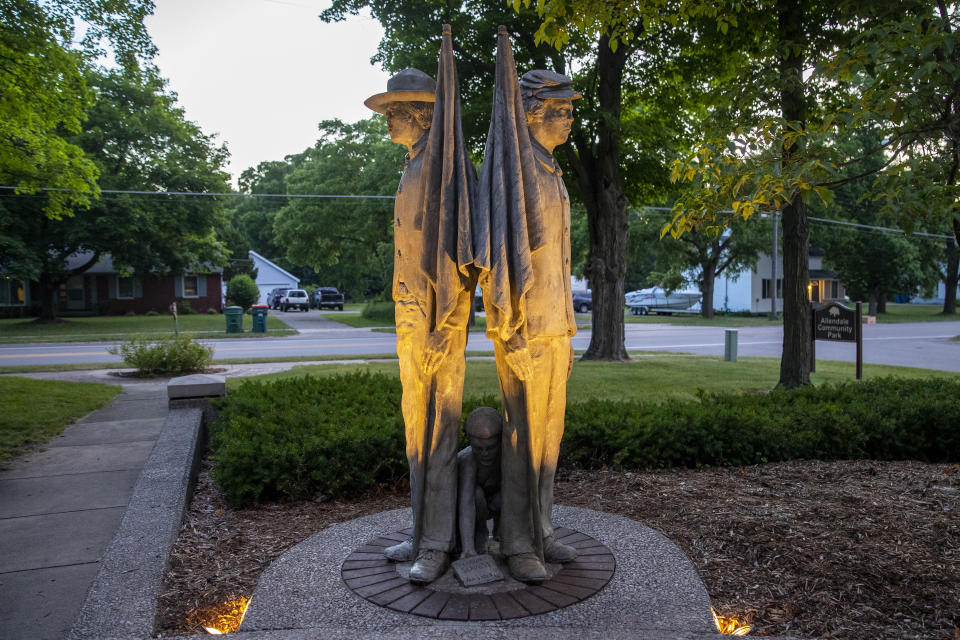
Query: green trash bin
point(259, 312)
point(234, 316)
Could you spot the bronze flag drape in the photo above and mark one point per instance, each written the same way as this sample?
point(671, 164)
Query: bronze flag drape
point(449, 185)
point(506, 221)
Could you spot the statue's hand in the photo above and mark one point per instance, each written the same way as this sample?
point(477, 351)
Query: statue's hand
point(519, 361)
point(434, 351)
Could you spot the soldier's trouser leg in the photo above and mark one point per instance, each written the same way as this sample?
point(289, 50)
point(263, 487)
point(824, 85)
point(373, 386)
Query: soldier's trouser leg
point(411, 330)
point(531, 442)
point(440, 499)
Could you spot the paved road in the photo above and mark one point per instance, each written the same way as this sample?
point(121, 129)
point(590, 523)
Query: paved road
point(924, 344)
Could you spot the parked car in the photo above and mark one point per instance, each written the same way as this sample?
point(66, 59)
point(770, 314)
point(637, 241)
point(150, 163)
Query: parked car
point(295, 298)
point(328, 297)
point(582, 301)
point(275, 296)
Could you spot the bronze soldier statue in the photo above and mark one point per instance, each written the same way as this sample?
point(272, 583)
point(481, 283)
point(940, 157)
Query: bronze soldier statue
point(433, 286)
point(526, 283)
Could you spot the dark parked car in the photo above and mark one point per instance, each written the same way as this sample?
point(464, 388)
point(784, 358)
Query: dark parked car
point(275, 296)
point(582, 301)
point(328, 297)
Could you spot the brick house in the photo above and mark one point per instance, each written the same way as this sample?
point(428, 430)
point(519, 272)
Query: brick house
point(101, 290)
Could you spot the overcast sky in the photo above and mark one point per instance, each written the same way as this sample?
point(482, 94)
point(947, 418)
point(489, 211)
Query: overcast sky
point(262, 73)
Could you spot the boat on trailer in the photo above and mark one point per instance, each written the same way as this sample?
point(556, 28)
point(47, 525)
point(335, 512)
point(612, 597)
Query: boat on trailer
point(658, 300)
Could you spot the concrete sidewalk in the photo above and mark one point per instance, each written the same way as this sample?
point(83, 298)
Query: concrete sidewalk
point(61, 506)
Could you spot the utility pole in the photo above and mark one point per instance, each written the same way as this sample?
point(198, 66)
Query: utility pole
point(773, 269)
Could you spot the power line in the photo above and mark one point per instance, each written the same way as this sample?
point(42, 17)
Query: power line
point(868, 227)
point(219, 194)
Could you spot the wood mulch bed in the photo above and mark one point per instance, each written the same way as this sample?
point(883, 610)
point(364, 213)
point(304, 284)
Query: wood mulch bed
point(810, 549)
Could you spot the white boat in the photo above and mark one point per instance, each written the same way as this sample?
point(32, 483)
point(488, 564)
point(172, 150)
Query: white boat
point(657, 300)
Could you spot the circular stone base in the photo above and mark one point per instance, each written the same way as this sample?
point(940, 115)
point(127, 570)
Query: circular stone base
point(371, 576)
point(654, 592)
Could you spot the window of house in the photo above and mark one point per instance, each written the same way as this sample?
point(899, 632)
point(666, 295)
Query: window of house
point(765, 288)
point(11, 292)
point(5, 286)
point(191, 288)
point(125, 288)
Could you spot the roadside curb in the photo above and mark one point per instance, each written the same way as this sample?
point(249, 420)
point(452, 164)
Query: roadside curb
point(122, 601)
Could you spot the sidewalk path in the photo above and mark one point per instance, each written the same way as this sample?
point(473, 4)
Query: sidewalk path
point(60, 507)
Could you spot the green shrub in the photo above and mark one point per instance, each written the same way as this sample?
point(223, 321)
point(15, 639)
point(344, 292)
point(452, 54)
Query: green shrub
point(184, 308)
point(341, 435)
point(130, 314)
point(164, 356)
point(381, 311)
point(300, 437)
point(212, 312)
point(243, 291)
point(152, 312)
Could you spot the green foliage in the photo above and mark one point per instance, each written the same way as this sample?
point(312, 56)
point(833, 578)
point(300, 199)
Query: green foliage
point(348, 242)
point(340, 435)
point(184, 308)
point(43, 93)
point(243, 291)
point(301, 437)
point(139, 139)
point(36, 410)
point(380, 312)
point(172, 355)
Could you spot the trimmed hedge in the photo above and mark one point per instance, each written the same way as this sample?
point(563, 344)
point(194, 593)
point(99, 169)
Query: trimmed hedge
point(297, 438)
point(341, 435)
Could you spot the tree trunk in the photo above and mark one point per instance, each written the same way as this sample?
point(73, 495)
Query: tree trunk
point(707, 282)
point(602, 190)
point(873, 303)
point(881, 303)
point(48, 299)
point(953, 276)
point(795, 358)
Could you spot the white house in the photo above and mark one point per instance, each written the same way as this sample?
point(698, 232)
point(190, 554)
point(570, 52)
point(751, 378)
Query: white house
point(751, 290)
point(270, 276)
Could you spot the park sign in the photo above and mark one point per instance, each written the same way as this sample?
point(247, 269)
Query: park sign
point(837, 323)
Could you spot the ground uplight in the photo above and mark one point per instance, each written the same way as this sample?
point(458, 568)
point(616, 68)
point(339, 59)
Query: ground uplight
point(729, 625)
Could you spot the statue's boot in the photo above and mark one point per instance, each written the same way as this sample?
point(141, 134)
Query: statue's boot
point(430, 565)
point(402, 552)
point(526, 567)
point(556, 551)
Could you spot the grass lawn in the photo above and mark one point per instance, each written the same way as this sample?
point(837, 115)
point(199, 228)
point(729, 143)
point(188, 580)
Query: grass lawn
point(115, 328)
point(912, 313)
point(646, 377)
point(354, 319)
point(33, 411)
point(692, 319)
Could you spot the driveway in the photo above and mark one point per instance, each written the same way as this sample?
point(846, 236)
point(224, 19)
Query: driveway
point(307, 321)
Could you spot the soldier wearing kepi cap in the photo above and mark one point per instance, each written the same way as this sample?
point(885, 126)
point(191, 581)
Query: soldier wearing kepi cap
point(529, 306)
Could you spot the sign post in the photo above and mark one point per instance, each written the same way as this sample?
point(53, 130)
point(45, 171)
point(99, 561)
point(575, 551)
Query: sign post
point(841, 324)
point(176, 323)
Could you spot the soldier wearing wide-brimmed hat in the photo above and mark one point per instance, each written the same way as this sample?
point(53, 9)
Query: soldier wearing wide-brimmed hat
point(431, 326)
